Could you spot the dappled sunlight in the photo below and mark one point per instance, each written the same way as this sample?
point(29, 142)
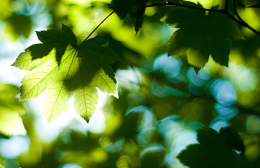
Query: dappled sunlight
point(223, 91)
point(70, 165)
point(13, 147)
point(218, 123)
point(199, 79)
point(129, 78)
point(177, 138)
point(246, 79)
point(171, 66)
point(226, 112)
point(253, 124)
point(152, 84)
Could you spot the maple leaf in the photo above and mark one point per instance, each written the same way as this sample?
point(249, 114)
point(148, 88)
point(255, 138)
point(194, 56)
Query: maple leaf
point(215, 149)
point(201, 35)
point(62, 69)
point(10, 108)
point(135, 8)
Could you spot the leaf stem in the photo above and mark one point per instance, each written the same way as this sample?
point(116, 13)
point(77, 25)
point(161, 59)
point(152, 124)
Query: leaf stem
point(99, 25)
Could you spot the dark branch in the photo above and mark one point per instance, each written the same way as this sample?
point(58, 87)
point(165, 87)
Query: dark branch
point(224, 11)
point(238, 20)
point(181, 5)
point(242, 22)
point(226, 6)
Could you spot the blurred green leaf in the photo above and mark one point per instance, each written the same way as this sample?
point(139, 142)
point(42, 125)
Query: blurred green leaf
point(201, 35)
point(10, 108)
point(135, 8)
point(18, 25)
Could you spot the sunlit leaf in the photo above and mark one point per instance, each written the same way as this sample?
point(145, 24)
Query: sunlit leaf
point(62, 69)
point(10, 107)
point(201, 34)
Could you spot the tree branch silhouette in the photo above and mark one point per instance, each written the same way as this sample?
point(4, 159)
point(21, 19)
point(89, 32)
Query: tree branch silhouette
point(168, 3)
point(242, 22)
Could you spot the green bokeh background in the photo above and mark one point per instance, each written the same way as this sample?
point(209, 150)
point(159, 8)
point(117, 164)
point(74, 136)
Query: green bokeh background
point(162, 100)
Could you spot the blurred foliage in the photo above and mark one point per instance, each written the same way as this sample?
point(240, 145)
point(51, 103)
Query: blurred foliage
point(216, 148)
point(162, 100)
point(10, 107)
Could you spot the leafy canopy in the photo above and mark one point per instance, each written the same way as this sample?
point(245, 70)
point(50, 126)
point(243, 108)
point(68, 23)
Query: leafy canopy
point(62, 69)
point(201, 34)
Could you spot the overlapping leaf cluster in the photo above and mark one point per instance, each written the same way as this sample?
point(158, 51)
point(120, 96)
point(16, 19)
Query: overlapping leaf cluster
point(201, 34)
point(215, 149)
point(61, 68)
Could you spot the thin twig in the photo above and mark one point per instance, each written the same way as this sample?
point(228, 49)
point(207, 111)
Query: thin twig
point(99, 25)
point(235, 11)
point(242, 22)
point(181, 5)
point(226, 6)
point(224, 11)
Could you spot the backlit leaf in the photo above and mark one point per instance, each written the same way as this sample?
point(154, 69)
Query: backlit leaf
point(62, 69)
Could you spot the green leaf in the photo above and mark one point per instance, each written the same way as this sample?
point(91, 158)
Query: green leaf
point(53, 39)
point(215, 150)
point(232, 138)
point(135, 8)
point(201, 34)
point(120, 7)
point(79, 70)
point(18, 25)
point(10, 107)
